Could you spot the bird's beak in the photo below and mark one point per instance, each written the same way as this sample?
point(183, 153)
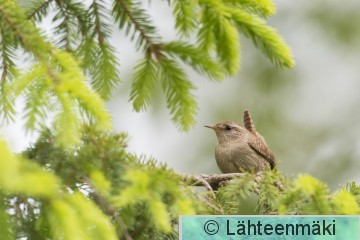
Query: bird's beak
point(214, 127)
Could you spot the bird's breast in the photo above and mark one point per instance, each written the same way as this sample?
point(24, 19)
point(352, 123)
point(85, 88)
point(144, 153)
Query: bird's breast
point(237, 157)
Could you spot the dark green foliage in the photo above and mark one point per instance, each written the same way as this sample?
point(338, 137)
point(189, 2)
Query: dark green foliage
point(82, 31)
point(278, 194)
point(144, 83)
point(97, 55)
point(236, 191)
point(77, 181)
point(354, 190)
point(56, 72)
point(8, 44)
point(141, 197)
point(57, 193)
point(264, 37)
point(196, 58)
point(177, 90)
point(136, 22)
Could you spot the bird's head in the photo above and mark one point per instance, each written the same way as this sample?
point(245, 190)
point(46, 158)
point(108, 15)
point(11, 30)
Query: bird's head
point(227, 131)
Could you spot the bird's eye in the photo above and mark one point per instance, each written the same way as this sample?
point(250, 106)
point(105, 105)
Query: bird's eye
point(227, 127)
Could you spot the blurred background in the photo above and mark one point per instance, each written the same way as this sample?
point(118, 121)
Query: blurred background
point(309, 115)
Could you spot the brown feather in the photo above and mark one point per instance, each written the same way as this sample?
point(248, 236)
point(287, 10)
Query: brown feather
point(263, 150)
point(248, 123)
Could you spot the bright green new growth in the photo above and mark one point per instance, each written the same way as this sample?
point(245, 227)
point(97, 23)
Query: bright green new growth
point(144, 83)
point(93, 191)
point(77, 181)
point(305, 195)
point(69, 216)
point(55, 80)
point(79, 51)
point(98, 190)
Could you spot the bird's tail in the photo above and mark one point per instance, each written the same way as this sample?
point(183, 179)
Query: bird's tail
point(248, 123)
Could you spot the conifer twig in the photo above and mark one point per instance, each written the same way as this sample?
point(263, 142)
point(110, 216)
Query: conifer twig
point(210, 181)
point(213, 181)
point(198, 180)
point(109, 210)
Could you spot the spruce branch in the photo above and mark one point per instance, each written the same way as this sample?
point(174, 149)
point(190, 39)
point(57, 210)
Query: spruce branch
point(78, 12)
point(64, 30)
point(131, 16)
point(177, 89)
point(143, 83)
point(7, 57)
point(65, 78)
point(29, 36)
point(196, 58)
point(67, 122)
point(216, 22)
point(224, 20)
point(104, 70)
point(37, 99)
point(97, 54)
point(73, 20)
point(7, 109)
point(205, 34)
point(263, 8)
point(263, 36)
point(36, 9)
point(7, 48)
point(228, 45)
point(106, 206)
point(110, 210)
point(101, 27)
point(185, 13)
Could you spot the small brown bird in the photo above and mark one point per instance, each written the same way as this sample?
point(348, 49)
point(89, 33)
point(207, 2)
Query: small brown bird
point(241, 149)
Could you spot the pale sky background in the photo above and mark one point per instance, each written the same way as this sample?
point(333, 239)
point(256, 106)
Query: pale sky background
point(317, 108)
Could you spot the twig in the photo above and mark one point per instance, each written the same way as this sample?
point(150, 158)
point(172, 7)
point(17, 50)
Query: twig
point(208, 180)
point(199, 181)
point(109, 210)
point(213, 181)
point(212, 206)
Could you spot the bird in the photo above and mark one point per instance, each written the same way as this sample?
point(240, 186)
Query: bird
point(241, 148)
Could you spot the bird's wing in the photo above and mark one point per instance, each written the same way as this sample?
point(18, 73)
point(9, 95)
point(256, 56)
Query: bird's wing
point(262, 149)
